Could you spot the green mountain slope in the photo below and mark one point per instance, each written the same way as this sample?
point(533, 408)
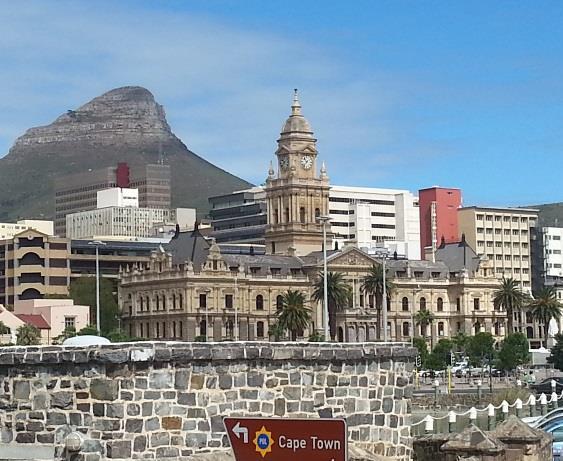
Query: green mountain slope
point(122, 125)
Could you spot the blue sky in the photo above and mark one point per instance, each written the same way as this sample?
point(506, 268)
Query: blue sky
point(402, 94)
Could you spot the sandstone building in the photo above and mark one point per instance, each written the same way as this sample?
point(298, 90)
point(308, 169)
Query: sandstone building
point(194, 287)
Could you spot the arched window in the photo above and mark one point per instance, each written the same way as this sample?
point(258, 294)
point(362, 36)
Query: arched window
point(259, 303)
point(440, 304)
point(317, 213)
point(286, 215)
point(529, 318)
point(229, 329)
point(440, 328)
point(148, 303)
point(157, 302)
point(276, 216)
point(174, 329)
point(477, 327)
point(302, 214)
point(529, 332)
point(141, 304)
point(181, 301)
point(279, 302)
point(405, 303)
point(406, 329)
point(163, 302)
point(30, 293)
point(423, 303)
point(340, 335)
point(497, 328)
point(202, 328)
point(259, 329)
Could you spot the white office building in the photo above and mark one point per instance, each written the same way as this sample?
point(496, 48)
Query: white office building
point(8, 230)
point(117, 196)
point(372, 218)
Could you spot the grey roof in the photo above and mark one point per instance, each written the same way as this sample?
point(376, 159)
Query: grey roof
point(264, 262)
point(458, 256)
point(189, 247)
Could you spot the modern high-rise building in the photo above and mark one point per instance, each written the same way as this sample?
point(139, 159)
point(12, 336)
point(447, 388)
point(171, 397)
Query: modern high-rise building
point(78, 192)
point(438, 216)
point(363, 216)
point(502, 235)
point(240, 217)
point(371, 218)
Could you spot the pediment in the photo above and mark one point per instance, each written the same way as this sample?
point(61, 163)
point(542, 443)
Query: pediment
point(351, 257)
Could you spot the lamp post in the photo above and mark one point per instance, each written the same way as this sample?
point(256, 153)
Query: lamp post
point(207, 315)
point(383, 253)
point(97, 244)
point(236, 311)
point(324, 220)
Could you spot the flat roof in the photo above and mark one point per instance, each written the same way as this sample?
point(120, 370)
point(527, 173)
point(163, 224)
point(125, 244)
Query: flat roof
point(496, 208)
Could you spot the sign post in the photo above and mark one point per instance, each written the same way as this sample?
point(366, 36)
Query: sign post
point(277, 439)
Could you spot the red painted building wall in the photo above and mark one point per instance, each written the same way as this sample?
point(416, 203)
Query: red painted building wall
point(122, 175)
point(448, 201)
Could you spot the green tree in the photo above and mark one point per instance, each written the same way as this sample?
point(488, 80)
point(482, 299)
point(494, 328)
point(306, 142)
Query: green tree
point(373, 284)
point(511, 298)
point(28, 335)
point(544, 307)
point(4, 330)
point(294, 315)
point(69, 332)
point(460, 340)
point(316, 337)
point(442, 351)
point(514, 351)
point(276, 331)
point(424, 318)
point(83, 291)
point(422, 347)
point(480, 349)
point(338, 293)
point(89, 330)
point(556, 356)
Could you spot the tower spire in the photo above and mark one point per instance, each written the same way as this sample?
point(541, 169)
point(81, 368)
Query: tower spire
point(295, 106)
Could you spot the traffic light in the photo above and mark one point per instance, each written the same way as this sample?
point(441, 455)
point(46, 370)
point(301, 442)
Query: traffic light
point(418, 361)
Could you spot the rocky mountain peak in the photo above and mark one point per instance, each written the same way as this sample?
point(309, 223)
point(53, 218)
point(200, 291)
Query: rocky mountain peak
point(128, 115)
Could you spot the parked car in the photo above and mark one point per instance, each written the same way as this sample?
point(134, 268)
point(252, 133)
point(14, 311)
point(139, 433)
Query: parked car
point(545, 386)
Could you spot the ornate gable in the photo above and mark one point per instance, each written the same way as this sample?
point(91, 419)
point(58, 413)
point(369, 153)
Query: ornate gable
point(351, 256)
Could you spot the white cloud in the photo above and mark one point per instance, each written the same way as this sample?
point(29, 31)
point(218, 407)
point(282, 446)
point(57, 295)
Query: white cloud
point(226, 90)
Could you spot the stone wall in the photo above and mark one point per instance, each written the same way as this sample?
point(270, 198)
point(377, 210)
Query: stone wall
point(166, 400)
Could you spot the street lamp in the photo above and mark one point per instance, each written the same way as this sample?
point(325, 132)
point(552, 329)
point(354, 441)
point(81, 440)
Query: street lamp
point(383, 253)
point(324, 220)
point(97, 244)
point(207, 291)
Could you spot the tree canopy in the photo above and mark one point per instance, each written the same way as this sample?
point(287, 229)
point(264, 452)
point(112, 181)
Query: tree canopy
point(294, 316)
point(28, 335)
point(544, 307)
point(556, 356)
point(83, 291)
point(338, 294)
point(514, 352)
point(480, 348)
point(511, 298)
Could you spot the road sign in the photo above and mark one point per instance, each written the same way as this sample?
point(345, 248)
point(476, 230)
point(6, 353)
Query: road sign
point(277, 439)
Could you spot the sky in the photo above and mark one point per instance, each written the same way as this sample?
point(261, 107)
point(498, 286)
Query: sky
point(400, 94)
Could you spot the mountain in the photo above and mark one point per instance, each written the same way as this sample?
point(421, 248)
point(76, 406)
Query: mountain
point(123, 125)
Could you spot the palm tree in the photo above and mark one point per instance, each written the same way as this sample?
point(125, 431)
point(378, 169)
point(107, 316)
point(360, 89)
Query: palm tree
point(424, 318)
point(544, 307)
point(294, 316)
point(28, 335)
point(373, 284)
point(339, 293)
point(511, 298)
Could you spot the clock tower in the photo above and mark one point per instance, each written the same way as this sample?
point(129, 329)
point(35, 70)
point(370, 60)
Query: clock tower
point(297, 194)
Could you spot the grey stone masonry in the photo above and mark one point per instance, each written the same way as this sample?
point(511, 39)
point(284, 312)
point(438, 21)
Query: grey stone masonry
point(167, 400)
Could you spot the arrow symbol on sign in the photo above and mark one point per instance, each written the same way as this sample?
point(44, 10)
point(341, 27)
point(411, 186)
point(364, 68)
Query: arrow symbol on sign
point(238, 430)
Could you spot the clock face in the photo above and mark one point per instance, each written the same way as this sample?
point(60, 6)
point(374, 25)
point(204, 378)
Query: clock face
point(284, 163)
point(306, 162)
